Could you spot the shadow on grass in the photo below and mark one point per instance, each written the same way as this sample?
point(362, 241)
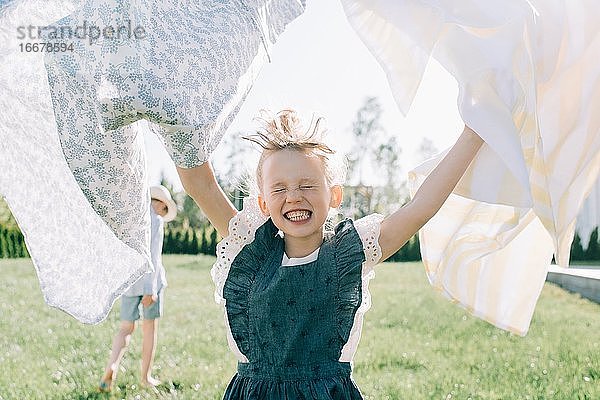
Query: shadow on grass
point(193, 266)
point(123, 390)
point(92, 394)
point(190, 262)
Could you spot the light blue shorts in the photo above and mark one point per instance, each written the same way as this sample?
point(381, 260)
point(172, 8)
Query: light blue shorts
point(130, 308)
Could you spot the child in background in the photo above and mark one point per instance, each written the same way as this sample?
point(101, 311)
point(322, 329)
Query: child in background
point(294, 295)
point(148, 291)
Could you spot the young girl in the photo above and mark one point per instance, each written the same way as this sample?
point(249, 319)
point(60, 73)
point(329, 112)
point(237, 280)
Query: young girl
point(147, 292)
point(294, 295)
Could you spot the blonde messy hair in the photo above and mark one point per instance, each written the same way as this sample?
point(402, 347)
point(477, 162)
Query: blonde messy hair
point(284, 131)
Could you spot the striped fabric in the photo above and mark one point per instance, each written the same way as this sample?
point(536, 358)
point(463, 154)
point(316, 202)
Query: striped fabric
point(529, 84)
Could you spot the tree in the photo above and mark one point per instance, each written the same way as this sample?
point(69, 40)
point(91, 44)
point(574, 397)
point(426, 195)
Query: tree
point(577, 253)
point(204, 248)
point(593, 250)
point(177, 240)
point(168, 242)
point(3, 243)
point(189, 215)
point(393, 193)
point(194, 246)
point(13, 246)
point(411, 251)
point(185, 242)
point(357, 201)
point(234, 175)
point(212, 249)
point(22, 246)
point(415, 249)
point(6, 218)
point(9, 234)
point(365, 128)
point(387, 156)
point(426, 149)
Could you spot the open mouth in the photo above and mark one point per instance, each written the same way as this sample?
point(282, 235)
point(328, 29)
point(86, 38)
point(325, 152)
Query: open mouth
point(297, 215)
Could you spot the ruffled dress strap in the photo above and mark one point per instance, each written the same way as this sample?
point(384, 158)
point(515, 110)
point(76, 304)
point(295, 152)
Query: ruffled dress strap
point(264, 250)
point(238, 258)
point(349, 257)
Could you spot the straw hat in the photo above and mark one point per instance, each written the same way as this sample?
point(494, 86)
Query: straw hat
point(162, 193)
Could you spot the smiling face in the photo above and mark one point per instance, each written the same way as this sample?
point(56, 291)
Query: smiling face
point(296, 195)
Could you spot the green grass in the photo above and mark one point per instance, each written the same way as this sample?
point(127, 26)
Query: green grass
point(415, 344)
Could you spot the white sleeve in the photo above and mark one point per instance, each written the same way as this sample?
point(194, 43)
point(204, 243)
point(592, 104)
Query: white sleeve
point(242, 228)
point(368, 229)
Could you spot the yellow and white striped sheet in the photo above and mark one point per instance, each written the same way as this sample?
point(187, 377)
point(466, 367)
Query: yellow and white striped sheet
point(529, 85)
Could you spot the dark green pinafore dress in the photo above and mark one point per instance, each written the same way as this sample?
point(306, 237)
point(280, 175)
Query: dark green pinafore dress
point(291, 322)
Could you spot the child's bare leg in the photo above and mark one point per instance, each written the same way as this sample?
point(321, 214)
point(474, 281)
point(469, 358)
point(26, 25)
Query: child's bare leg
point(149, 332)
point(119, 345)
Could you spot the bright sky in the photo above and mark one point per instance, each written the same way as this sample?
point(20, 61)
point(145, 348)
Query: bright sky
point(320, 65)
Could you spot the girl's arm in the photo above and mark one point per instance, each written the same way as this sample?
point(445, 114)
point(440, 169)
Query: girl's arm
point(200, 183)
point(400, 226)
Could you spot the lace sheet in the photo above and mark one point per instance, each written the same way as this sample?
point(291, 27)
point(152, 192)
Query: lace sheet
point(67, 240)
point(71, 147)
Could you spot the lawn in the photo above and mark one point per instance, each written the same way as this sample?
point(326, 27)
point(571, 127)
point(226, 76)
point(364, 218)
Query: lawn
point(415, 344)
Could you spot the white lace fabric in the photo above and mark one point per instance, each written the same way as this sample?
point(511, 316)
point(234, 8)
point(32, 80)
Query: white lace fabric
point(71, 145)
point(242, 228)
point(82, 266)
